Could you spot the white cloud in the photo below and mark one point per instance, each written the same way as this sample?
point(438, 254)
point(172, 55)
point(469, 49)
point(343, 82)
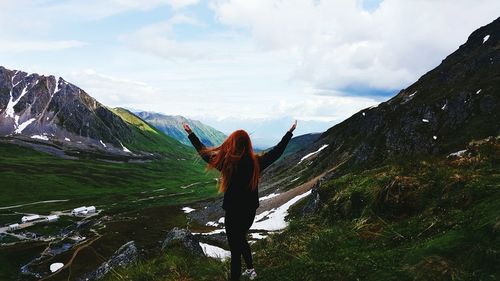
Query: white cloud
point(112, 91)
point(28, 46)
point(338, 45)
point(158, 39)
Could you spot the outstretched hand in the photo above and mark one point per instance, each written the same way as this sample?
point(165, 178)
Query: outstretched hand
point(294, 125)
point(187, 128)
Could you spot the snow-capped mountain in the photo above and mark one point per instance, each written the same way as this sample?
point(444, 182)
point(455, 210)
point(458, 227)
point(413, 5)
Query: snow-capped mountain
point(39, 109)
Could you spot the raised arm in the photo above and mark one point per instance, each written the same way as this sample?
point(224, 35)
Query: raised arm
point(195, 141)
point(272, 155)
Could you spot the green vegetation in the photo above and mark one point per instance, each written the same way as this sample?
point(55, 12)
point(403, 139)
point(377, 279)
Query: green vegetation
point(176, 265)
point(431, 218)
point(148, 138)
point(29, 176)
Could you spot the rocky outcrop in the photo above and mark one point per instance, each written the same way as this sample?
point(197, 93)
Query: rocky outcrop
point(182, 237)
point(124, 256)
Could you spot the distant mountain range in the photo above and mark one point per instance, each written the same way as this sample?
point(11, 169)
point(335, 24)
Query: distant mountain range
point(172, 126)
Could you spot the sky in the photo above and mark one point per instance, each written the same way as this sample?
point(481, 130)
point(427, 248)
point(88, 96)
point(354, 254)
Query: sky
point(239, 64)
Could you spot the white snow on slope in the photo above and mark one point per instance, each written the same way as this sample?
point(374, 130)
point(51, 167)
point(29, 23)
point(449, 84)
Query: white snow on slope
point(24, 125)
point(124, 148)
point(188, 210)
point(312, 153)
point(67, 139)
point(214, 251)
point(40, 137)
point(9, 111)
point(258, 236)
point(274, 219)
point(479, 91)
point(425, 120)
point(486, 38)
point(102, 143)
point(459, 153)
point(56, 266)
point(268, 196)
point(212, 223)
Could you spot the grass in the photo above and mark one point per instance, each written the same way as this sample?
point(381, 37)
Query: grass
point(30, 176)
point(431, 218)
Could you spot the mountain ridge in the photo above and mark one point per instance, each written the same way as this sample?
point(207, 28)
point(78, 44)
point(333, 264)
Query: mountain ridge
point(44, 110)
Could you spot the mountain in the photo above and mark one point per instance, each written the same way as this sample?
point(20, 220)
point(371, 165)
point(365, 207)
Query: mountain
point(172, 126)
point(45, 111)
point(442, 112)
point(298, 143)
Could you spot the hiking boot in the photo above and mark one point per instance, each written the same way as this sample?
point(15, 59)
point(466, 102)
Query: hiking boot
point(250, 273)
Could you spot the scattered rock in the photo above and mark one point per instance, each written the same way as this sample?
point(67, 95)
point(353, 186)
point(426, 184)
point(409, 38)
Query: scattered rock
point(312, 206)
point(184, 237)
point(124, 256)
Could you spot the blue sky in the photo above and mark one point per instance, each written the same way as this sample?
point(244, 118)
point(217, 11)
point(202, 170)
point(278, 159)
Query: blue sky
point(233, 64)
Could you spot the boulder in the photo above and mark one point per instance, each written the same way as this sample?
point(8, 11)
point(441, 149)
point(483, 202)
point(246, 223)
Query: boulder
point(124, 256)
point(183, 237)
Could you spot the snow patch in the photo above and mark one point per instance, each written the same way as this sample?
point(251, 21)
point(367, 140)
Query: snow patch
point(444, 106)
point(102, 143)
point(312, 153)
point(295, 179)
point(212, 223)
point(411, 96)
point(258, 236)
point(39, 137)
point(214, 251)
point(124, 148)
point(425, 120)
point(459, 153)
point(188, 210)
point(67, 139)
point(274, 219)
point(363, 114)
point(434, 137)
point(268, 196)
point(479, 91)
point(485, 38)
point(56, 266)
point(9, 111)
point(222, 220)
point(23, 126)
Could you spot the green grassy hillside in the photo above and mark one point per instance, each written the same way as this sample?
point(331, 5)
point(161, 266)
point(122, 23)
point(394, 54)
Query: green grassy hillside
point(148, 138)
point(432, 218)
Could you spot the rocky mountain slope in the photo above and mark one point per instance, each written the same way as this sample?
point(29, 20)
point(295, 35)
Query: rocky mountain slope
point(39, 110)
point(449, 106)
point(172, 126)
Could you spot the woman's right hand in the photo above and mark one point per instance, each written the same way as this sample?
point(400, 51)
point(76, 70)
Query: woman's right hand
point(187, 128)
point(294, 125)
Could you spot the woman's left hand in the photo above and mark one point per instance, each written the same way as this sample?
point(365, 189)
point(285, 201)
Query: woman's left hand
point(187, 128)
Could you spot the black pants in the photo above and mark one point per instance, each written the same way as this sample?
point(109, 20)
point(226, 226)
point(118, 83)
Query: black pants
point(237, 223)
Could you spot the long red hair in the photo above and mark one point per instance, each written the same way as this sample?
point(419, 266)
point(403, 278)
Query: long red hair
point(226, 156)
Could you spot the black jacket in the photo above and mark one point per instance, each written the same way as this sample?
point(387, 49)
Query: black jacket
point(238, 195)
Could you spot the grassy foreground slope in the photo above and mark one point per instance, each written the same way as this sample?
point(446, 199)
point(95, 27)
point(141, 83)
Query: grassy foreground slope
point(430, 218)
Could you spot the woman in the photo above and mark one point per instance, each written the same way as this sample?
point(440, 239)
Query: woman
point(240, 168)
